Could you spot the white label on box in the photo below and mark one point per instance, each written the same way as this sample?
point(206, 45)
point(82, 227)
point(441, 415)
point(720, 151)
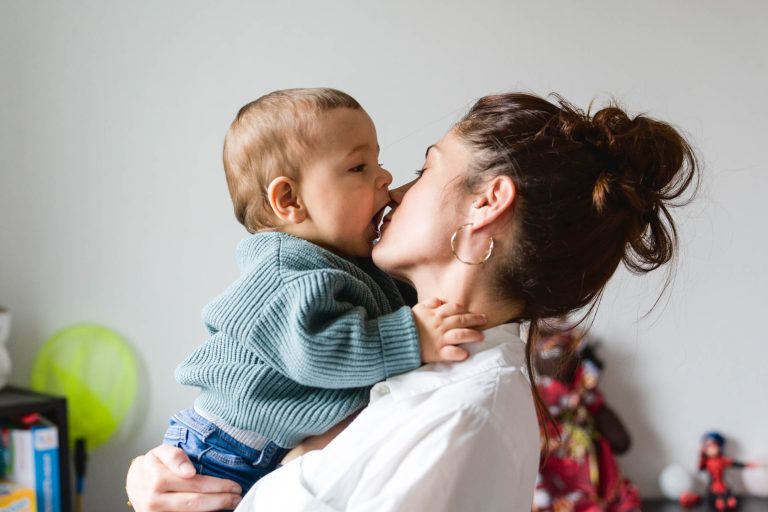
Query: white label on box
point(46, 439)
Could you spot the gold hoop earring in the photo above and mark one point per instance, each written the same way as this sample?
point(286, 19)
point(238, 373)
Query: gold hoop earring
point(455, 255)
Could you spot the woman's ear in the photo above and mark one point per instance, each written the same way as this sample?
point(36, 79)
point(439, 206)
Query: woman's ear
point(283, 195)
point(495, 203)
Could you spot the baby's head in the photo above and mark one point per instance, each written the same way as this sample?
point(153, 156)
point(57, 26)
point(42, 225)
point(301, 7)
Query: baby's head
point(305, 161)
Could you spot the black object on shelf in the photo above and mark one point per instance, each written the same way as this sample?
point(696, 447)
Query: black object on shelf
point(746, 504)
point(16, 402)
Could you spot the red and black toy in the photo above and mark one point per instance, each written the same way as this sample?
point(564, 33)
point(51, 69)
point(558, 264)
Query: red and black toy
point(714, 462)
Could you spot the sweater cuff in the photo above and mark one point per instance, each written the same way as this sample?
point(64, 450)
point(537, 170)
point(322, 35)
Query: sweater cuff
point(399, 342)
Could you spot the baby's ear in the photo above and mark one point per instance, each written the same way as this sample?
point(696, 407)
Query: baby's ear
point(283, 194)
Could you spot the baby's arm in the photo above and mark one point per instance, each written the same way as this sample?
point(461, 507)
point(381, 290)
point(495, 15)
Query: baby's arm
point(315, 332)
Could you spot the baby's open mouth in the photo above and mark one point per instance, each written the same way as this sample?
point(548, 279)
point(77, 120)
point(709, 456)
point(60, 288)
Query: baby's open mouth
point(376, 221)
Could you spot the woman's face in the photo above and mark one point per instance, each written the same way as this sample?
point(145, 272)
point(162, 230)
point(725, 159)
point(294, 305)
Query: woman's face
point(417, 232)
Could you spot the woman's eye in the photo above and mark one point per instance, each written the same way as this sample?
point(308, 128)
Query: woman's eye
point(420, 172)
point(358, 168)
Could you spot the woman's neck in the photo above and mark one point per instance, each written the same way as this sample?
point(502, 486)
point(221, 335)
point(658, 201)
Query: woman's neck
point(469, 286)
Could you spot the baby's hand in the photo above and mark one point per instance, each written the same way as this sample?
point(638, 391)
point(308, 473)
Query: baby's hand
point(442, 326)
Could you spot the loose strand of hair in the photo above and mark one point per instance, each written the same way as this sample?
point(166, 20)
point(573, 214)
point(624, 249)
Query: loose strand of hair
point(542, 412)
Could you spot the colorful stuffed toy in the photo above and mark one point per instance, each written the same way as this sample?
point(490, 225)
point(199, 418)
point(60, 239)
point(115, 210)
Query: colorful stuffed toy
point(580, 473)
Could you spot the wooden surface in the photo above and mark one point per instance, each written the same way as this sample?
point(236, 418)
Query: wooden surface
point(745, 505)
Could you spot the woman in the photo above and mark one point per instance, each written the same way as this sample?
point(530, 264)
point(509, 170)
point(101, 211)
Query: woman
point(523, 211)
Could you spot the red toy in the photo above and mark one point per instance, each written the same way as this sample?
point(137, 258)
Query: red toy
point(713, 461)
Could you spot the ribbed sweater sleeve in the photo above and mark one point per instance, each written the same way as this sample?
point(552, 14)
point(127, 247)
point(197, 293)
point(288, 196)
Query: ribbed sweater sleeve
point(313, 332)
point(298, 339)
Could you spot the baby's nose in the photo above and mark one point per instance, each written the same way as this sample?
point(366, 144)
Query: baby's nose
point(386, 177)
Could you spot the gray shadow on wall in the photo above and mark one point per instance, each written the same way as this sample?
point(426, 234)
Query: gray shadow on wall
point(735, 450)
point(111, 457)
point(645, 459)
point(128, 431)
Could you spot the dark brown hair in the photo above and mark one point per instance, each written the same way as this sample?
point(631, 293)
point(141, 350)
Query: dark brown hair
point(592, 191)
point(270, 137)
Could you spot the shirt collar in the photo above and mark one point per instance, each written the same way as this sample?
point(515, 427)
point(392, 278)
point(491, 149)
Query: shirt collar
point(501, 347)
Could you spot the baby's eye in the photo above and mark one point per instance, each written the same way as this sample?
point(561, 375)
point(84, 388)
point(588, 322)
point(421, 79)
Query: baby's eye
point(358, 168)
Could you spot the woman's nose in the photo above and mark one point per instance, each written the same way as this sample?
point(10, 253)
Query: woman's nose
point(398, 193)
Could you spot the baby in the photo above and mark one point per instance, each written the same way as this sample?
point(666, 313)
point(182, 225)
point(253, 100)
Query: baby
point(298, 339)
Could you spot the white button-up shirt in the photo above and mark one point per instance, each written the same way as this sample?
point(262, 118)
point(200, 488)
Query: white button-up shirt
point(457, 437)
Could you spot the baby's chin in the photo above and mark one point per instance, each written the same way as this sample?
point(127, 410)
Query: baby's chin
point(350, 246)
point(361, 254)
point(361, 249)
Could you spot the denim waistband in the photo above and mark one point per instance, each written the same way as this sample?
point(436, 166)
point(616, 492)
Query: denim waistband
point(206, 423)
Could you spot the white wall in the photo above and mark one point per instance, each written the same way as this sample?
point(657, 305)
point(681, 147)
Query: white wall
point(113, 207)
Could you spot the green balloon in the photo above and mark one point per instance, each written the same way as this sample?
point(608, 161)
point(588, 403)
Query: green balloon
point(95, 369)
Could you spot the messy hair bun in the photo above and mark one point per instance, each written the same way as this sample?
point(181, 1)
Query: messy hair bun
point(646, 166)
point(591, 191)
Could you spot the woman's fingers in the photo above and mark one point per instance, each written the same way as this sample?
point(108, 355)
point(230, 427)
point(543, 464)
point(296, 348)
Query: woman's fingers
point(170, 458)
point(159, 482)
point(193, 502)
point(198, 484)
point(174, 459)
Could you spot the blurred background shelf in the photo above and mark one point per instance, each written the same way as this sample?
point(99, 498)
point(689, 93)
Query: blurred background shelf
point(745, 505)
point(16, 402)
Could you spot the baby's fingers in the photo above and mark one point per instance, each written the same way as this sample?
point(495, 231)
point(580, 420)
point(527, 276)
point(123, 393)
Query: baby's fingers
point(464, 321)
point(452, 353)
point(459, 336)
point(432, 303)
point(447, 309)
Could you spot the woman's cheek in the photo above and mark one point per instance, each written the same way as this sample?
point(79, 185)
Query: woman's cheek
point(391, 247)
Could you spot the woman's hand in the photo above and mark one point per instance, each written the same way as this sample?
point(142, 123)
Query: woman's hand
point(164, 480)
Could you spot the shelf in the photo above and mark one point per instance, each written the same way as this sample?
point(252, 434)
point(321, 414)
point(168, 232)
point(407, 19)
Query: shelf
point(16, 402)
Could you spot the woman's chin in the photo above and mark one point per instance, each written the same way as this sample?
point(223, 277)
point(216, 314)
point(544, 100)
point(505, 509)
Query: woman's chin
point(389, 254)
point(380, 255)
point(392, 260)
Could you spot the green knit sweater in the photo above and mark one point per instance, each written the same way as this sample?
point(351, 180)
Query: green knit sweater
point(296, 342)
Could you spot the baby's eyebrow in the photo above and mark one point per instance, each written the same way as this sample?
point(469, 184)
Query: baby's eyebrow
point(363, 146)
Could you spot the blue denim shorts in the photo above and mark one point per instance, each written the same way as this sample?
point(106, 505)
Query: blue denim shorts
point(214, 452)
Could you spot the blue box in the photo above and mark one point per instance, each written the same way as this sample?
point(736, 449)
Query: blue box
point(35, 455)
